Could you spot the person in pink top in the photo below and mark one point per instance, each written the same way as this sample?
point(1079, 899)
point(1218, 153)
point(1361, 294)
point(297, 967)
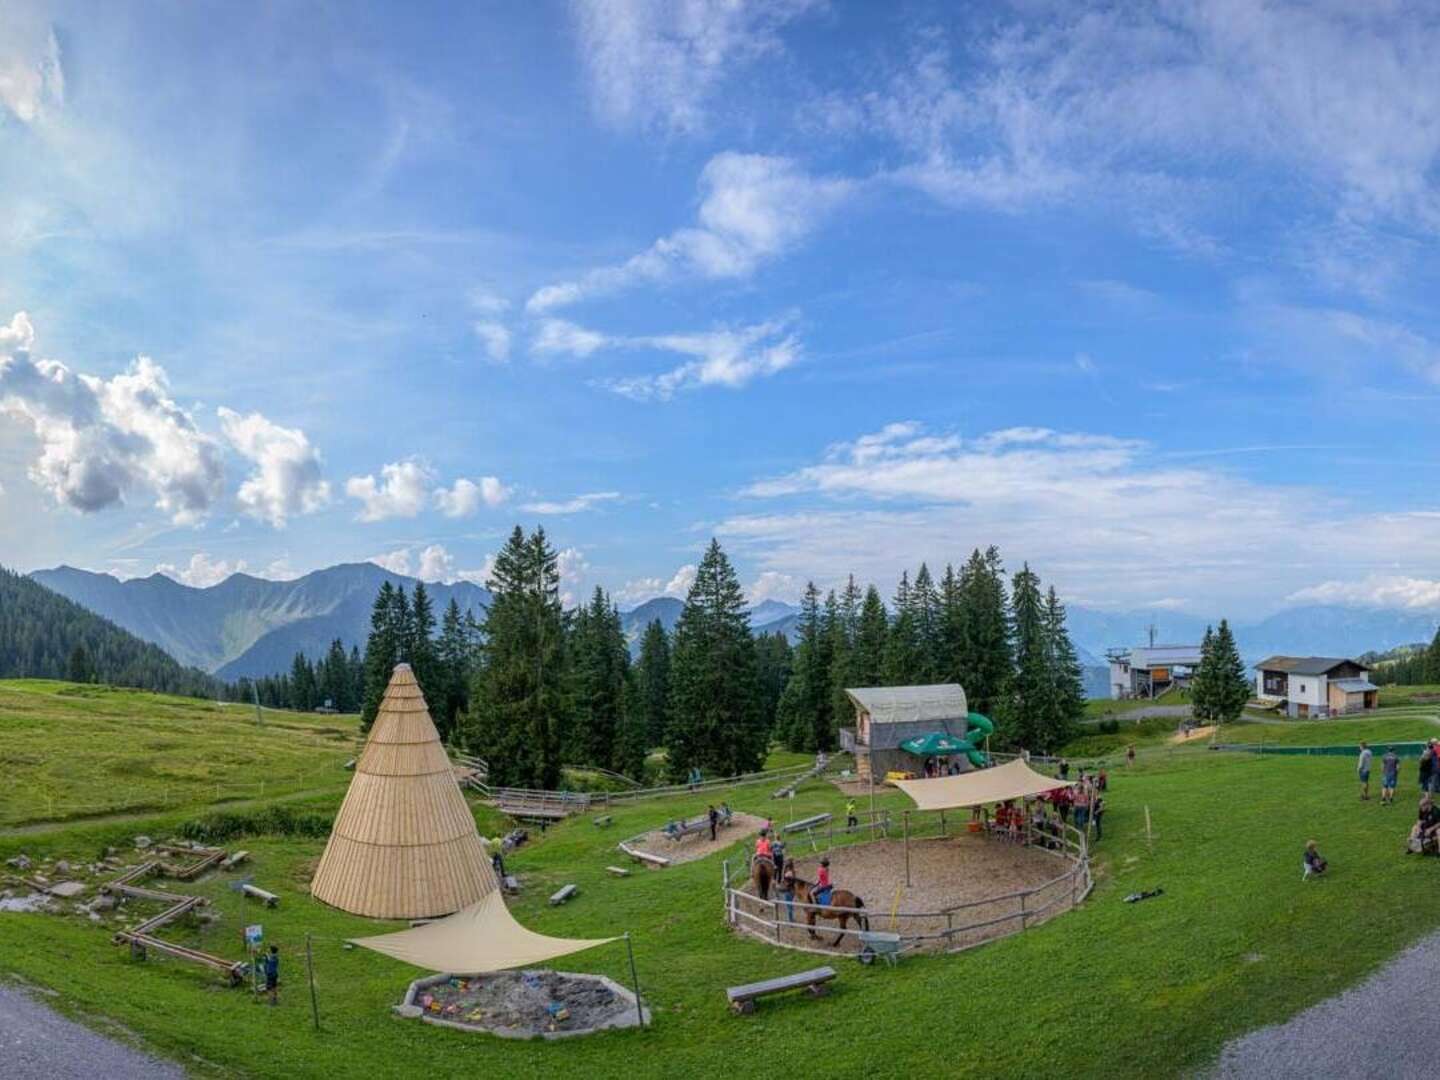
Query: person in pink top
point(823, 888)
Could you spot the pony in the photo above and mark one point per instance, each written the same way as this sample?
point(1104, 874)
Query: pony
point(762, 874)
point(841, 906)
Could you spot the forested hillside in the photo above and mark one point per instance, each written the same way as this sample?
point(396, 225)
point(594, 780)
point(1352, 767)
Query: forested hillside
point(44, 635)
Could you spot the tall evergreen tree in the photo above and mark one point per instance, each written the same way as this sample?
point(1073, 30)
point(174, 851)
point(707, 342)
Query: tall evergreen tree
point(302, 684)
point(652, 677)
point(844, 637)
point(519, 689)
point(632, 745)
point(419, 646)
point(1230, 687)
point(950, 649)
point(1432, 660)
point(715, 717)
point(774, 661)
point(987, 660)
point(454, 661)
point(925, 611)
point(1202, 682)
point(80, 668)
point(601, 661)
point(1027, 709)
point(904, 660)
point(382, 650)
point(1067, 702)
point(871, 634)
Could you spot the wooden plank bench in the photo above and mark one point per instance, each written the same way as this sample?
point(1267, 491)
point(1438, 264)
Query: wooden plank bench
point(602, 821)
point(257, 893)
point(645, 856)
point(808, 823)
point(235, 860)
point(743, 998)
point(563, 894)
point(618, 871)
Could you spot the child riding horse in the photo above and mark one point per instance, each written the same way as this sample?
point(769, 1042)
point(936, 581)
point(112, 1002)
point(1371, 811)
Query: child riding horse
point(841, 904)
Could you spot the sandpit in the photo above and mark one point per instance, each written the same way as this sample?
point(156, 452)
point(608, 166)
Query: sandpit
point(944, 873)
point(522, 1004)
point(699, 845)
point(1193, 734)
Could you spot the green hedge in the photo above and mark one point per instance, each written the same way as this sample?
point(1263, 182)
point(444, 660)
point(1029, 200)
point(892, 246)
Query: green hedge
point(277, 820)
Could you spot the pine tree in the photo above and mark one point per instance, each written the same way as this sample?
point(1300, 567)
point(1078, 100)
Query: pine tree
point(382, 651)
point(519, 691)
point(1024, 720)
point(925, 612)
point(903, 659)
point(302, 684)
point(601, 661)
point(774, 662)
point(715, 718)
point(1231, 688)
point(987, 661)
point(80, 669)
point(419, 646)
point(652, 677)
point(1202, 682)
point(632, 745)
point(844, 635)
point(454, 655)
point(1067, 704)
point(1432, 660)
point(950, 649)
point(870, 641)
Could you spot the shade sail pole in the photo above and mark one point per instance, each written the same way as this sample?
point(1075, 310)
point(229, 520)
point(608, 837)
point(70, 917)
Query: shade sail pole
point(907, 849)
point(635, 980)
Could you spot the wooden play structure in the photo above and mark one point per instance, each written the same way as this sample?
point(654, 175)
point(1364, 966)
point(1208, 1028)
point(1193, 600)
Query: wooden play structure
point(141, 938)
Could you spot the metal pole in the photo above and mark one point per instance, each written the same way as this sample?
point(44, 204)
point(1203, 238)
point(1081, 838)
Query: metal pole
point(310, 970)
point(907, 849)
point(635, 980)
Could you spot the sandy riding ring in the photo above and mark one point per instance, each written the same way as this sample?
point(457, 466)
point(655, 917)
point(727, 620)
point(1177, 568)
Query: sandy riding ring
point(694, 844)
point(964, 890)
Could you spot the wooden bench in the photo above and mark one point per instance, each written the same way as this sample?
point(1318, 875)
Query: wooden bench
point(257, 893)
point(235, 860)
point(687, 828)
point(602, 821)
point(564, 894)
point(743, 998)
point(618, 871)
point(645, 856)
point(808, 823)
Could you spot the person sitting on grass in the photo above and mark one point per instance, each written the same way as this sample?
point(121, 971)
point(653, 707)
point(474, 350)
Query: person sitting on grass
point(1427, 825)
point(1314, 864)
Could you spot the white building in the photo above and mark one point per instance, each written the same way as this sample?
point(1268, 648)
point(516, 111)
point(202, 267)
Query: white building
point(1310, 686)
point(1147, 671)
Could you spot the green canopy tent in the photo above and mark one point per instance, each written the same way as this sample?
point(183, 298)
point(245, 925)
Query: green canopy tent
point(942, 743)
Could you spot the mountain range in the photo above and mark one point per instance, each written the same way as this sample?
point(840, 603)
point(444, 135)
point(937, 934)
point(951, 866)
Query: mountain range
point(248, 626)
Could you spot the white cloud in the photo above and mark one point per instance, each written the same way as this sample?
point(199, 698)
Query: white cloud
point(724, 356)
point(753, 209)
point(101, 439)
point(772, 585)
point(578, 505)
point(1376, 591)
point(642, 589)
point(572, 566)
point(556, 336)
point(436, 564)
point(32, 79)
point(488, 303)
point(431, 563)
point(657, 63)
point(495, 337)
point(287, 480)
point(465, 497)
point(397, 561)
point(1100, 515)
point(679, 585)
point(403, 490)
point(202, 571)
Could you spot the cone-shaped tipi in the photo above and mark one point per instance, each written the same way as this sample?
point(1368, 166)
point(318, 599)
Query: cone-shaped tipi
point(404, 845)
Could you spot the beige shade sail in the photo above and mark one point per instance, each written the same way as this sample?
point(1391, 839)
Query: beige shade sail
point(1013, 781)
point(404, 845)
point(483, 937)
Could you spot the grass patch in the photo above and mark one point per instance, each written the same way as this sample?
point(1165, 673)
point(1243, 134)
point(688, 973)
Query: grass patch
point(74, 751)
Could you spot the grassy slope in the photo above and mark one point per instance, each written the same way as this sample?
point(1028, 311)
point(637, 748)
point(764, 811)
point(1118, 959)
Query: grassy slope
point(71, 751)
point(1112, 989)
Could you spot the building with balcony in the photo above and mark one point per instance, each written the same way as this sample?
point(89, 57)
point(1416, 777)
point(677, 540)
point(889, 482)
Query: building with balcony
point(1147, 671)
point(1315, 686)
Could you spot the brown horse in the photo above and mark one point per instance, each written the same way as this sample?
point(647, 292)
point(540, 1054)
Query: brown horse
point(841, 905)
point(762, 874)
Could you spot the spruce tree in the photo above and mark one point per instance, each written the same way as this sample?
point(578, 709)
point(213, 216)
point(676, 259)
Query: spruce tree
point(1231, 687)
point(632, 745)
point(870, 641)
point(1432, 660)
point(950, 648)
point(1025, 718)
point(774, 661)
point(519, 692)
point(1067, 704)
point(302, 684)
point(903, 659)
point(419, 647)
point(1202, 681)
point(601, 663)
point(382, 651)
point(454, 651)
point(843, 637)
point(715, 718)
point(652, 679)
point(987, 660)
point(925, 612)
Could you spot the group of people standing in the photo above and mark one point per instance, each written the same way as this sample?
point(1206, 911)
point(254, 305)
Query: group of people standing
point(772, 848)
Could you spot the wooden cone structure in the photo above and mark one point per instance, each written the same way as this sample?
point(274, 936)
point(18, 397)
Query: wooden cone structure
point(404, 845)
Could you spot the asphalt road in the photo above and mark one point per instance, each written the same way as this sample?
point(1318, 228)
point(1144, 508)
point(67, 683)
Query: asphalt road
point(1381, 1028)
point(37, 1043)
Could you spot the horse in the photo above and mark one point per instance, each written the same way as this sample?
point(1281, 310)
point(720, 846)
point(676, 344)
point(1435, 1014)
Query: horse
point(839, 907)
point(762, 873)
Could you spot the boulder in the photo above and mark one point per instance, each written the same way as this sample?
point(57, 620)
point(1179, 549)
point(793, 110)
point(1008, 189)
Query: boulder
point(19, 862)
point(104, 902)
point(66, 890)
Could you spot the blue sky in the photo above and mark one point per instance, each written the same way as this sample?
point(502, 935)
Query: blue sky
point(1143, 296)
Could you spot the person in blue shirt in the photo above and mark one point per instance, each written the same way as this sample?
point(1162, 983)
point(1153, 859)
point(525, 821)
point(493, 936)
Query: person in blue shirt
point(270, 968)
point(1389, 777)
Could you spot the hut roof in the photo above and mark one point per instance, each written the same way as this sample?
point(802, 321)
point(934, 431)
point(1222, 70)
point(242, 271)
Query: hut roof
point(404, 845)
point(904, 704)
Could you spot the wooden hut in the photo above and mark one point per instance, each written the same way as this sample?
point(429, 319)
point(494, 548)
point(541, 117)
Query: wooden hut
point(404, 845)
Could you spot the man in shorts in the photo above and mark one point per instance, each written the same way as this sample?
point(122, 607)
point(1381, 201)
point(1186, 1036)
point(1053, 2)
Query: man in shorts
point(1389, 776)
point(1362, 770)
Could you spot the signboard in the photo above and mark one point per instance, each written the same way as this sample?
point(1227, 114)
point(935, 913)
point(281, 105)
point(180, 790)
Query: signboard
point(254, 935)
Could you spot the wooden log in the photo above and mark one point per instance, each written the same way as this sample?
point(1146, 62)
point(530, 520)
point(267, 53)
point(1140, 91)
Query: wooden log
point(563, 894)
point(234, 860)
point(618, 871)
point(257, 893)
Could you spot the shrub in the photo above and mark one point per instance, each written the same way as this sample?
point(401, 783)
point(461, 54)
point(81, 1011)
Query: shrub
point(271, 821)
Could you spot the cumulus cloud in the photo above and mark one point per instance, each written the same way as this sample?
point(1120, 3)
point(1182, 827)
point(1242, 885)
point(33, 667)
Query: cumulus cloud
point(642, 589)
point(465, 497)
point(753, 208)
point(577, 505)
point(1376, 591)
point(403, 490)
point(32, 79)
point(726, 358)
point(431, 563)
point(397, 561)
point(572, 566)
point(495, 339)
point(772, 585)
point(1097, 513)
point(287, 480)
point(103, 439)
point(559, 337)
point(202, 571)
point(658, 63)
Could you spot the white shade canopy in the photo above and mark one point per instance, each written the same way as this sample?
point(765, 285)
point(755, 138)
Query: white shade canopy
point(1013, 781)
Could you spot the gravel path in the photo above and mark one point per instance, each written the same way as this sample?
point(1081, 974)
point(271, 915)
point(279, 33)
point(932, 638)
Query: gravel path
point(1379, 1028)
point(37, 1043)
